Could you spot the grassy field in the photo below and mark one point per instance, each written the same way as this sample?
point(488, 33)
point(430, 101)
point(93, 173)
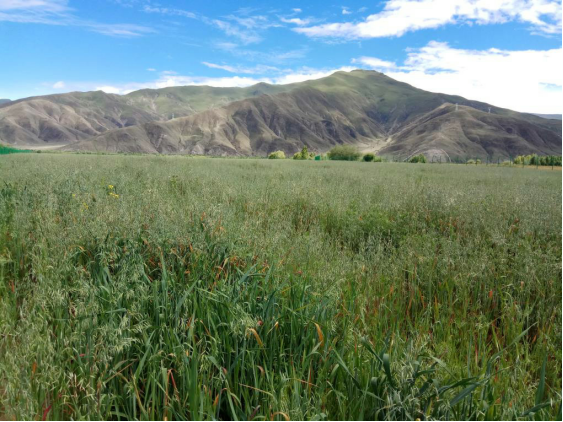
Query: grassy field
point(137, 287)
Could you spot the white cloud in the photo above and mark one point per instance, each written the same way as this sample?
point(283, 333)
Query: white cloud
point(253, 22)
point(151, 69)
point(50, 5)
point(59, 85)
point(245, 35)
point(220, 66)
point(296, 21)
point(526, 81)
point(241, 25)
point(169, 11)
point(270, 56)
point(117, 30)
point(108, 89)
point(375, 63)
point(306, 75)
point(258, 69)
point(57, 12)
point(346, 11)
point(297, 10)
point(401, 16)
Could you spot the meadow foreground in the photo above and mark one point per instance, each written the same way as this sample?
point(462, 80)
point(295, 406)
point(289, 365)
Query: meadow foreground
point(137, 287)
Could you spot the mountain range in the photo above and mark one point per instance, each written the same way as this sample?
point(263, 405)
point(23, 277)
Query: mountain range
point(364, 108)
point(550, 116)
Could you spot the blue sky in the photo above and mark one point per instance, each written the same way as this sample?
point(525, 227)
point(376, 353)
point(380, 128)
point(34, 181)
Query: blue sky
point(505, 52)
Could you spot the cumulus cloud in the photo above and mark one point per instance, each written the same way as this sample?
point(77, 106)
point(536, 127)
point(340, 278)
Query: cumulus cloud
point(108, 89)
point(526, 80)
point(346, 11)
point(401, 16)
point(59, 85)
point(375, 63)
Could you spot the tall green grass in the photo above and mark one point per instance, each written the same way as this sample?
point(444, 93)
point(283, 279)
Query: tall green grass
point(169, 287)
point(5, 149)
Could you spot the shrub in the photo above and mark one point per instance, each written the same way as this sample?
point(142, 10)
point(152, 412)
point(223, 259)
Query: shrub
point(304, 154)
point(417, 159)
point(472, 161)
point(371, 157)
point(277, 155)
point(344, 153)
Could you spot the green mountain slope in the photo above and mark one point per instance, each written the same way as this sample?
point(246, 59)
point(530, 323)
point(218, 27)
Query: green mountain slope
point(66, 118)
point(186, 100)
point(365, 108)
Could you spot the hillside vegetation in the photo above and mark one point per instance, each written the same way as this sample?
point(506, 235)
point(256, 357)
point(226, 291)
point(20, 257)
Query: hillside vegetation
point(135, 287)
point(363, 108)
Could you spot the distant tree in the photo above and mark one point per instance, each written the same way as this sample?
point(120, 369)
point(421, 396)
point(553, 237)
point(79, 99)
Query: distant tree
point(344, 153)
point(519, 160)
point(420, 158)
point(304, 154)
point(277, 155)
point(538, 160)
point(369, 157)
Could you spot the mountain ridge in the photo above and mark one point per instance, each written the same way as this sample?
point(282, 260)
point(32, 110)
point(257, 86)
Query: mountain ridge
point(549, 116)
point(365, 108)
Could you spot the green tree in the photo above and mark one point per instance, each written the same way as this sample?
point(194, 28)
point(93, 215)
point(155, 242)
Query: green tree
point(344, 153)
point(304, 154)
point(417, 159)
